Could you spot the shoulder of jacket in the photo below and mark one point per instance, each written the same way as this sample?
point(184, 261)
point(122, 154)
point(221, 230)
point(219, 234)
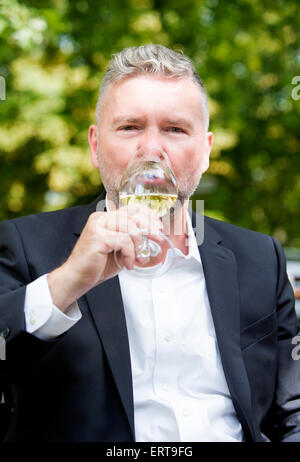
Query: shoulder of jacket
point(225, 230)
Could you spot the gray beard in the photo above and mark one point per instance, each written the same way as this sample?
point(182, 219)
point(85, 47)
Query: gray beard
point(112, 193)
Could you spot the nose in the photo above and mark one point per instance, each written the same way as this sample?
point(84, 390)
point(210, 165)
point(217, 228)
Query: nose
point(151, 146)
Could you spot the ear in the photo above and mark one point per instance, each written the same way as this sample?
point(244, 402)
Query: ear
point(93, 142)
point(206, 151)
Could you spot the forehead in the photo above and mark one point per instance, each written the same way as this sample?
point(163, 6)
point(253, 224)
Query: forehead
point(152, 95)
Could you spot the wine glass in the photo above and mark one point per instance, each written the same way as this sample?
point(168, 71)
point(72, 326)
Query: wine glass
point(149, 180)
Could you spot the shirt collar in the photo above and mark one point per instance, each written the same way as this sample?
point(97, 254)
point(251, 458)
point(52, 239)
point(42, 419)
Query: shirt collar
point(193, 251)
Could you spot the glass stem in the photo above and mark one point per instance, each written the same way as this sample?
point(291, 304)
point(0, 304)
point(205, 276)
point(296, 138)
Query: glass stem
point(144, 248)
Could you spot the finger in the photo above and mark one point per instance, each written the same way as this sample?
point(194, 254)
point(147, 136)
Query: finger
point(120, 243)
point(144, 211)
point(123, 221)
point(119, 222)
point(122, 224)
point(143, 217)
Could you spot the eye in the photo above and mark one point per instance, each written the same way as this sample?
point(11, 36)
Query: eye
point(175, 130)
point(128, 128)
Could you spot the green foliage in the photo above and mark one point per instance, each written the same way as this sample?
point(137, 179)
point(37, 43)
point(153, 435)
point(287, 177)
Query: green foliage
point(53, 55)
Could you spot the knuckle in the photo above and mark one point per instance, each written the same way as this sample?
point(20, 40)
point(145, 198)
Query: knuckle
point(94, 215)
point(101, 219)
point(125, 239)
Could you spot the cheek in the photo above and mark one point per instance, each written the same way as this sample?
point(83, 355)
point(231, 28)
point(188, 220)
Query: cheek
point(185, 160)
point(115, 154)
point(116, 163)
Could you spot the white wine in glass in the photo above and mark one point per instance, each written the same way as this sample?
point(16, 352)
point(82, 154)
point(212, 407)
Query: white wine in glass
point(160, 202)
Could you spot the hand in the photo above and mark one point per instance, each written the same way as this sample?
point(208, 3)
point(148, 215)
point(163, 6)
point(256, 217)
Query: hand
point(92, 259)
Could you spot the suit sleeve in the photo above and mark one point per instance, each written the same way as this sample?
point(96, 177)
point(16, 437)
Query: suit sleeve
point(22, 348)
point(286, 407)
point(14, 276)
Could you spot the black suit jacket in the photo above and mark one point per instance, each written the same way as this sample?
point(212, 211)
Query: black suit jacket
point(79, 386)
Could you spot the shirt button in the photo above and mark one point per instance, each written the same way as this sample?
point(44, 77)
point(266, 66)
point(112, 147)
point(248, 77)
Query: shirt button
point(185, 413)
point(168, 338)
point(32, 320)
point(4, 332)
point(165, 387)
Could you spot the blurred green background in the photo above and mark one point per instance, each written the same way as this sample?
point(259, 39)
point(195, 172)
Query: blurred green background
point(53, 54)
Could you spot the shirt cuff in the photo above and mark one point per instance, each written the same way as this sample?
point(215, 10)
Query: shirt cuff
point(42, 318)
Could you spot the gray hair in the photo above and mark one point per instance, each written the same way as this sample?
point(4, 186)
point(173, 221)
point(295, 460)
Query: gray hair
point(154, 59)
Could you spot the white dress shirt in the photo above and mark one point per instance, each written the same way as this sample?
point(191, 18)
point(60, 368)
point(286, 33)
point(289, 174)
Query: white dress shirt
point(42, 318)
point(179, 388)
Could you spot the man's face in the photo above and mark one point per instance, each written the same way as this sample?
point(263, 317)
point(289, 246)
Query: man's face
point(151, 113)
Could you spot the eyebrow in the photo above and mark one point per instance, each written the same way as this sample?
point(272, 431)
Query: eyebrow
point(180, 121)
point(130, 120)
point(133, 120)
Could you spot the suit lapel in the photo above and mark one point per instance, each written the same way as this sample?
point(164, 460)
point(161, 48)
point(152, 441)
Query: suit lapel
point(106, 307)
point(220, 271)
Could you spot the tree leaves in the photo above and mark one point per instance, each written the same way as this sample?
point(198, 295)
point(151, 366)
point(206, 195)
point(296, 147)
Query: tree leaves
point(53, 56)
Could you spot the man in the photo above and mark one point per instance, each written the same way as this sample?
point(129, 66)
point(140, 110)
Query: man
point(203, 353)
